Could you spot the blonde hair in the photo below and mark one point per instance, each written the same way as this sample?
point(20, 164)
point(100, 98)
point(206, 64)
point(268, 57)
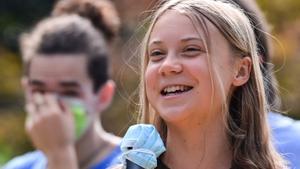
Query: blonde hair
point(246, 108)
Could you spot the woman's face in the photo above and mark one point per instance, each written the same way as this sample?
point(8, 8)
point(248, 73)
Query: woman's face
point(178, 78)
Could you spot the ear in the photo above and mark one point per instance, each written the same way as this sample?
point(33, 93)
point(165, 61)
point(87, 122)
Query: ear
point(243, 71)
point(105, 95)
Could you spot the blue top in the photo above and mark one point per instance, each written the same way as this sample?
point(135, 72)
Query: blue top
point(37, 160)
point(286, 136)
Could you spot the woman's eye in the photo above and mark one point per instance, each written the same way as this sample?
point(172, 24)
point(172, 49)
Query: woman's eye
point(156, 55)
point(192, 49)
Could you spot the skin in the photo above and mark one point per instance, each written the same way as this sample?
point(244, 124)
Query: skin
point(178, 57)
point(50, 79)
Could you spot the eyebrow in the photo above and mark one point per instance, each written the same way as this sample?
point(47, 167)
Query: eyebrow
point(157, 42)
point(69, 84)
point(191, 38)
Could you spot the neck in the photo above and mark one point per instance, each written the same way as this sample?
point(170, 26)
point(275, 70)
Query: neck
point(94, 145)
point(199, 146)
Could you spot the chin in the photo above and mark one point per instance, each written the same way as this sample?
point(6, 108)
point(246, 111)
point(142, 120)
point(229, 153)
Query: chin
point(177, 115)
point(173, 116)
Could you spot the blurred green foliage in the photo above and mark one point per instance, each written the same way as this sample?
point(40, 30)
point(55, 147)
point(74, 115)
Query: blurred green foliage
point(280, 12)
point(17, 16)
point(10, 74)
point(13, 139)
point(284, 17)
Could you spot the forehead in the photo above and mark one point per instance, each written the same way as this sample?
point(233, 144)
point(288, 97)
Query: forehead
point(58, 68)
point(171, 24)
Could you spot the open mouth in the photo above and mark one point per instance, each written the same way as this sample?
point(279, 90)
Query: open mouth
point(175, 89)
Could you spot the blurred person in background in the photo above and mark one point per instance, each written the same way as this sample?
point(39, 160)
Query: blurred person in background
point(67, 85)
point(285, 131)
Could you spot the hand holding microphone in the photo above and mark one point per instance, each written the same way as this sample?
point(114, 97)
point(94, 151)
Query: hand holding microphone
point(141, 146)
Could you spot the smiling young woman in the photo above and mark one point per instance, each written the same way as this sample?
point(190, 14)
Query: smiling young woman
point(202, 87)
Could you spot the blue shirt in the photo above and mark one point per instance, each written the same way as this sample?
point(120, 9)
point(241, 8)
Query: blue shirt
point(37, 160)
point(286, 138)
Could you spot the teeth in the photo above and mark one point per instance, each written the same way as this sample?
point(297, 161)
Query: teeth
point(172, 89)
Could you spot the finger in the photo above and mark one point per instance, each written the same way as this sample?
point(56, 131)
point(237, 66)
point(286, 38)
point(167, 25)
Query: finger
point(38, 99)
point(66, 108)
point(31, 116)
point(52, 103)
point(39, 102)
point(42, 104)
point(31, 110)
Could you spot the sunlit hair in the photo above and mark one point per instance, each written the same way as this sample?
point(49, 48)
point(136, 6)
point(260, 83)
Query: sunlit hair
point(245, 110)
point(265, 50)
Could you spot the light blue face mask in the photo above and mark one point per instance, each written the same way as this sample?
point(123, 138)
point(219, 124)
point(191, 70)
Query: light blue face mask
point(80, 115)
point(142, 145)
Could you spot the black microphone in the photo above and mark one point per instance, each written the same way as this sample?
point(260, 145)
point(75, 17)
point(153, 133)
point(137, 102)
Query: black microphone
point(132, 165)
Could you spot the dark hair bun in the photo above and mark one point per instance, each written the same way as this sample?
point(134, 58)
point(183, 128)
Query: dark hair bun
point(101, 13)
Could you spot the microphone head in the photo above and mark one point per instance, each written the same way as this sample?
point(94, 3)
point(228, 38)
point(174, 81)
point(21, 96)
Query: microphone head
point(142, 145)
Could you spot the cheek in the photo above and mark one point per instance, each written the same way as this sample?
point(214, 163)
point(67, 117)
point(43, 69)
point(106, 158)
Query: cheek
point(28, 93)
point(151, 81)
point(225, 81)
point(201, 73)
point(199, 70)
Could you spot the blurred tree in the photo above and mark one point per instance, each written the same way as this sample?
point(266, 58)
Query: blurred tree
point(13, 140)
point(284, 17)
point(280, 12)
point(17, 15)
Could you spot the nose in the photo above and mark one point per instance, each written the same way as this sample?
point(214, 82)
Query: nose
point(171, 65)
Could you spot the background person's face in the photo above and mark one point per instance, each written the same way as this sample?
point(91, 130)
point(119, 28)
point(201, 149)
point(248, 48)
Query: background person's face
point(177, 77)
point(64, 76)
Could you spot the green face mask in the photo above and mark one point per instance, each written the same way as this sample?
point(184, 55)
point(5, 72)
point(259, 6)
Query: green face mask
point(80, 115)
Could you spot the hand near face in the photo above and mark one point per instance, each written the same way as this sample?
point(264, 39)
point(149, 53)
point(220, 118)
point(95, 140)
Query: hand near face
point(50, 126)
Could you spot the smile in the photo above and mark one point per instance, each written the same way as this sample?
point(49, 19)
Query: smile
point(175, 89)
